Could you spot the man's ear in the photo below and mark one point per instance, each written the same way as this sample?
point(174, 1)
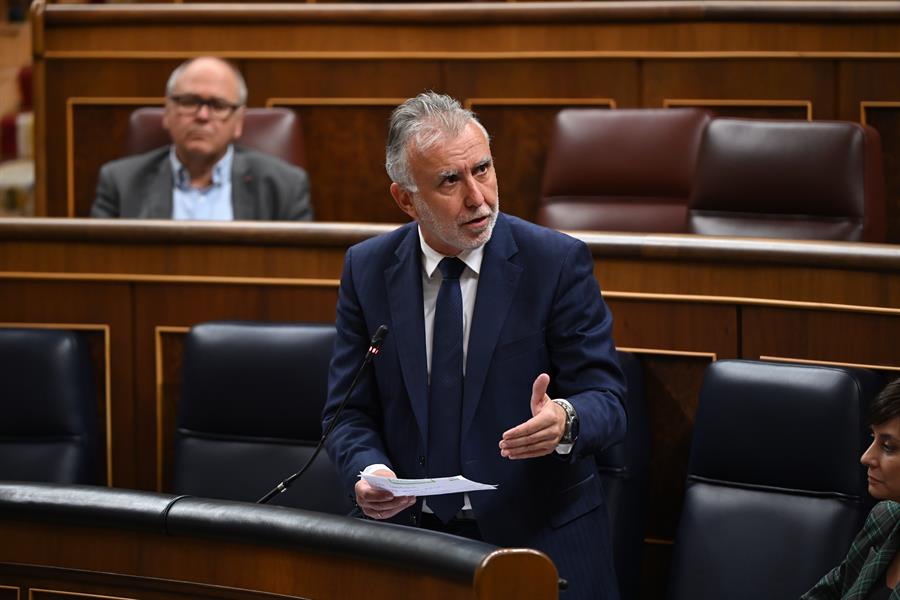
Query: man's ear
point(403, 198)
point(239, 125)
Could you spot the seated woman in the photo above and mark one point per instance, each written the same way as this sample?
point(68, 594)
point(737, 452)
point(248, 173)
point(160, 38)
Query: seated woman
point(871, 570)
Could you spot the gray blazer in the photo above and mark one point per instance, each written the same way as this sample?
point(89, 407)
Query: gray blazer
point(263, 187)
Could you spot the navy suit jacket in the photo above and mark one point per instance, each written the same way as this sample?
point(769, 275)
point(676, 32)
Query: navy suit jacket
point(537, 309)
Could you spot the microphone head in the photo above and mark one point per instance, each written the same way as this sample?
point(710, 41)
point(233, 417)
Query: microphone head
point(379, 336)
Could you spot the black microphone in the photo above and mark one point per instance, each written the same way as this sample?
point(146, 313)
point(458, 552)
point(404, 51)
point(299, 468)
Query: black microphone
point(374, 348)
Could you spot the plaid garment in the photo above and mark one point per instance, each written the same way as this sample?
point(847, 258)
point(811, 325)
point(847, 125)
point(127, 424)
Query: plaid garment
point(867, 560)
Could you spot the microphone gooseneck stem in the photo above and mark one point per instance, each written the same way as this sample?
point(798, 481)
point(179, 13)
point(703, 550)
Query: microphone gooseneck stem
point(374, 348)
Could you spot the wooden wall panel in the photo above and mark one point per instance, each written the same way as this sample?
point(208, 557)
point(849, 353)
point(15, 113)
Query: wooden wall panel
point(88, 79)
point(875, 81)
point(885, 118)
point(822, 335)
point(662, 324)
point(345, 159)
point(180, 306)
point(99, 124)
point(99, 310)
point(370, 76)
point(761, 79)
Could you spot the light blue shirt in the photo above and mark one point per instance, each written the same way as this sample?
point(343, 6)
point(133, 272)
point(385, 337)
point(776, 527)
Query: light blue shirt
point(212, 203)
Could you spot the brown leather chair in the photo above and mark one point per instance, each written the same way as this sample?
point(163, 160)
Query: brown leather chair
point(275, 131)
point(621, 170)
point(789, 179)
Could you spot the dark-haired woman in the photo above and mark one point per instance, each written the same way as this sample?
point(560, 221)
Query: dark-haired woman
point(871, 570)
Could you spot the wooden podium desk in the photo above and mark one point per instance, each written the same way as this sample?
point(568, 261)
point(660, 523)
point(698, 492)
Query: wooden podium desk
point(679, 301)
point(91, 543)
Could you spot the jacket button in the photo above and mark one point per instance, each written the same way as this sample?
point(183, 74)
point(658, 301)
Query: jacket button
point(422, 461)
point(414, 519)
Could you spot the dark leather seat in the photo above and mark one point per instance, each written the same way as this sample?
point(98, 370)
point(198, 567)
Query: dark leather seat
point(789, 179)
point(775, 492)
point(274, 131)
point(625, 472)
point(49, 430)
point(250, 414)
point(621, 170)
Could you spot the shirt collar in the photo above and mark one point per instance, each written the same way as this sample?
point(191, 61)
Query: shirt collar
point(431, 257)
point(220, 174)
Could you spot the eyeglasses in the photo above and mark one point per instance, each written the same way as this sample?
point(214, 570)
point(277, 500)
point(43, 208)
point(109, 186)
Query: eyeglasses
point(189, 104)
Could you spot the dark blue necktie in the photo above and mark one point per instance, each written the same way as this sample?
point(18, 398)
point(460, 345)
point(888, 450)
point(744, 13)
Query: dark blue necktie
point(446, 390)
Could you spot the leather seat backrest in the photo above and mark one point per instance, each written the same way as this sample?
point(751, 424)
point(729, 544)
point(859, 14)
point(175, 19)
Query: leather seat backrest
point(250, 414)
point(49, 429)
point(621, 170)
point(275, 131)
point(789, 179)
point(775, 492)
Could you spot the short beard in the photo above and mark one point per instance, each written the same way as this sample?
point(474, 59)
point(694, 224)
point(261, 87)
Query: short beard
point(449, 234)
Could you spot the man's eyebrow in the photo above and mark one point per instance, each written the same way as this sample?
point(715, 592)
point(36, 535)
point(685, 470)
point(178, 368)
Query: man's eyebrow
point(484, 162)
point(447, 174)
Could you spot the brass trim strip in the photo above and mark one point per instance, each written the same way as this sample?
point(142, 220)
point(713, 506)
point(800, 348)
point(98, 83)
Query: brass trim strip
point(608, 102)
point(874, 104)
point(12, 587)
point(634, 350)
point(829, 363)
point(197, 279)
point(105, 329)
point(313, 282)
point(158, 332)
point(31, 594)
point(461, 55)
point(345, 101)
point(71, 103)
point(712, 102)
point(658, 542)
point(744, 301)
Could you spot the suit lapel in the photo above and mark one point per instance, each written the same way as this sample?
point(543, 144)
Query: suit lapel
point(159, 196)
point(404, 286)
point(497, 285)
point(242, 193)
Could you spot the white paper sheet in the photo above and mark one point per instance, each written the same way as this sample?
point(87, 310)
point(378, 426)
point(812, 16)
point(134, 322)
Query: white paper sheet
point(426, 487)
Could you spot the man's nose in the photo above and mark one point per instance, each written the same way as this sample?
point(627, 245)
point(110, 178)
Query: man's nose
point(474, 193)
point(203, 112)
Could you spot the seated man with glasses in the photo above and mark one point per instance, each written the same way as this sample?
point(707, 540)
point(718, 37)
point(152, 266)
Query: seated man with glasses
point(202, 174)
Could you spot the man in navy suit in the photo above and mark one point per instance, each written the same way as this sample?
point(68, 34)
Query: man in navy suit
point(540, 388)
